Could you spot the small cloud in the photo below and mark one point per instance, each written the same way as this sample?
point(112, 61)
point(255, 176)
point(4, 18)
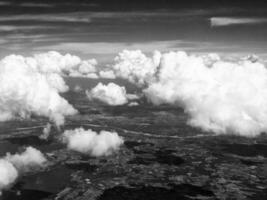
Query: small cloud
point(92, 143)
point(133, 104)
point(111, 94)
point(228, 21)
point(46, 132)
point(108, 74)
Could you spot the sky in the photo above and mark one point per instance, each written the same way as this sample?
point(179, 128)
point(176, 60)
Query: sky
point(102, 28)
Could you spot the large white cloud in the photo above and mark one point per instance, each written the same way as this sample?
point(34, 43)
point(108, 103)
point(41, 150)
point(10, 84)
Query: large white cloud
point(25, 91)
point(92, 143)
point(222, 95)
point(111, 94)
point(12, 166)
point(219, 96)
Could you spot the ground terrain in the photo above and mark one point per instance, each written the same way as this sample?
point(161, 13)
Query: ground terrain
point(162, 158)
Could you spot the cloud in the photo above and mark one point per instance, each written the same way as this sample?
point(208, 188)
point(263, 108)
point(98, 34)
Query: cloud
point(92, 143)
point(85, 69)
point(46, 132)
point(133, 104)
point(12, 166)
point(227, 21)
point(88, 66)
point(30, 159)
point(31, 85)
point(77, 88)
point(26, 90)
point(54, 62)
point(108, 74)
point(136, 66)
point(220, 96)
point(110, 94)
point(65, 65)
point(57, 82)
point(67, 17)
point(95, 16)
point(8, 174)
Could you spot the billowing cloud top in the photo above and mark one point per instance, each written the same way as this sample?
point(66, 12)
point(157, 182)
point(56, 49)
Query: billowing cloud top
point(135, 66)
point(24, 90)
point(53, 62)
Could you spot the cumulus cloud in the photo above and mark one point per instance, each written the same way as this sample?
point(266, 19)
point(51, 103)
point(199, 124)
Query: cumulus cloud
point(108, 74)
point(111, 94)
point(85, 69)
point(24, 91)
point(12, 166)
point(222, 95)
point(27, 160)
point(88, 66)
point(54, 62)
point(219, 96)
point(8, 174)
point(57, 82)
point(92, 143)
point(136, 66)
point(66, 65)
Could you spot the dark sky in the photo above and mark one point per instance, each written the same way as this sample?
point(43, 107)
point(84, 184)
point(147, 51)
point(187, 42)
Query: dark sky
point(51, 6)
point(103, 27)
point(152, 4)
